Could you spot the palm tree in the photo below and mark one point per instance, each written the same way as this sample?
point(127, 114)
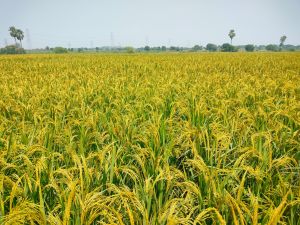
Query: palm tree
point(13, 33)
point(282, 40)
point(231, 35)
point(20, 36)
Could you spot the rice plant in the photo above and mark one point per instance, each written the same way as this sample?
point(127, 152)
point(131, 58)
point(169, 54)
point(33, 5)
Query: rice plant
point(150, 139)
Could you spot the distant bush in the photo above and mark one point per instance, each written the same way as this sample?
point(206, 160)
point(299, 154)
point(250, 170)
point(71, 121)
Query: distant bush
point(273, 48)
point(211, 47)
point(197, 48)
point(12, 49)
point(174, 48)
point(290, 48)
point(226, 47)
point(249, 48)
point(129, 50)
point(60, 50)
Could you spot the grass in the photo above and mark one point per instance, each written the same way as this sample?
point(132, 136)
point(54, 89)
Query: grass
point(150, 139)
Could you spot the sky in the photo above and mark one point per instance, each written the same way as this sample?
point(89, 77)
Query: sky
point(92, 23)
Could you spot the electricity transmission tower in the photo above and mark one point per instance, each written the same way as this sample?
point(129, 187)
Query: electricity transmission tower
point(28, 39)
point(111, 40)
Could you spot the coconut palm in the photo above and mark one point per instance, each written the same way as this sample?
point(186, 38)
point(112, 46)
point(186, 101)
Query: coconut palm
point(13, 33)
point(20, 36)
point(282, 40)
point(231, 34)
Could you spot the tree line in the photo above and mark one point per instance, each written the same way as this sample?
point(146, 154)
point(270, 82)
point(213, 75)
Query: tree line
point(18, 36)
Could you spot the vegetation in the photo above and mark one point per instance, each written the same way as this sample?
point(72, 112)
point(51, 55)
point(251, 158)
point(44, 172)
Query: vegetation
point(150, 139)
point(147, 48)
point(129, 50)
point(249, 48)
point(12, 49)
point(271, 47)
point(197, 48)
point(231, 35)
point(13, 33)
point(175, 49)
point(20, 36)
point(282, 40)
point(228, 48)
point(211, 47)
point(60, 50)
point(16, 34)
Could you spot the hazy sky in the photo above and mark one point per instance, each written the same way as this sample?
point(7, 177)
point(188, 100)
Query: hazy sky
point(91, 23)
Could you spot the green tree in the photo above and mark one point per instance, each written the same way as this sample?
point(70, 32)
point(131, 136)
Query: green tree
point(282, 40)
point(12, 49)
point(147, 48)
point(197, 48)
point(20, 36)
point(174, 48)
point(13, 33)
point(249, 48)
point(211, 47)
point(231, 35)
point(226, 47)
point(273, 48)
point(60, 50)
point(129, 49)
